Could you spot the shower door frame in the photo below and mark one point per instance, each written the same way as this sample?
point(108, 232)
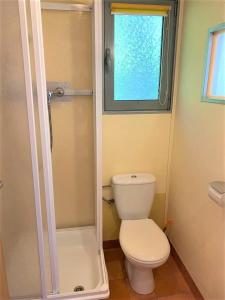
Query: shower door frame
point(35, 8)
point(97, 50)
point(37, 33)
point(33, 143)
point(45, 140)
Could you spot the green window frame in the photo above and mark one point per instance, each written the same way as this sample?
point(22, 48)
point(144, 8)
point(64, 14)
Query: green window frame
point(210, 63)
point(164, 101)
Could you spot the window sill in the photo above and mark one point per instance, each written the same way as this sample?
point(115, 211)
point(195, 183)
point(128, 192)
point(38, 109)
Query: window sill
point(212, 100)
point(134, 112)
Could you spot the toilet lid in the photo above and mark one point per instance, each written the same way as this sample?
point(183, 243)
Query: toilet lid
point(143, 240)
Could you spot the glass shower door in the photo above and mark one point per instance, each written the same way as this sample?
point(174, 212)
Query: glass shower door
point(18, 216)
point(24, 214)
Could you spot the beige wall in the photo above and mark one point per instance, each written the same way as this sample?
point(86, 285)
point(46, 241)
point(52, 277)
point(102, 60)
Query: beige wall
point(68, 57)
point(0, 105)
point(3, 283)
point(198, 157)
point(135, 143)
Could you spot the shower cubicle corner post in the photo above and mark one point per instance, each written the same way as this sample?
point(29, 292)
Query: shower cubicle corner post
point(97, 99)
point(45, 137)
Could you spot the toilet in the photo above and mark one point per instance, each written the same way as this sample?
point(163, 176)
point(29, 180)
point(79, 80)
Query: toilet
point(144, 244)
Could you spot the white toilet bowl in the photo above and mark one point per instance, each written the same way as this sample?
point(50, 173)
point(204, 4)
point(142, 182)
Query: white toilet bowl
point(145, 247)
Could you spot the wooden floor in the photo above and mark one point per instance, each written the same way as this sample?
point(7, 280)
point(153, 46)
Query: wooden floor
point(170, 284)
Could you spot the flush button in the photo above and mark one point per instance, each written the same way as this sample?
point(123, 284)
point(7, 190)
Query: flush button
point(133, 176)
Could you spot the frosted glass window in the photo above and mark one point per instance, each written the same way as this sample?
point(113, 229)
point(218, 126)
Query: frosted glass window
point(137, 57)
point(139, 42)
point(218, 82)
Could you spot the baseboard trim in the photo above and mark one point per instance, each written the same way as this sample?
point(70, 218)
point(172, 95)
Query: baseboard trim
point(193, 287)
point(110, 244)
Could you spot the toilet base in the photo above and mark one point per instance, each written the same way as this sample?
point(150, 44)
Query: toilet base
point(141, 278)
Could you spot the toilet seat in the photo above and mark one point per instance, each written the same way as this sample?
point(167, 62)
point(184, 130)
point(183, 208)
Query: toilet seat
point(144, 242)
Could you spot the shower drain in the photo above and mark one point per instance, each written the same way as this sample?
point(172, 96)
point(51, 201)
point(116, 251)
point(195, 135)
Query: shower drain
point(78, 288)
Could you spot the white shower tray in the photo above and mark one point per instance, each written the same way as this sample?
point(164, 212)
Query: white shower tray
point(80, 264)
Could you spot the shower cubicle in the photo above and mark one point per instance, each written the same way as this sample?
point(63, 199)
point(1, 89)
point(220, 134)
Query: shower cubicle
point(51, 103)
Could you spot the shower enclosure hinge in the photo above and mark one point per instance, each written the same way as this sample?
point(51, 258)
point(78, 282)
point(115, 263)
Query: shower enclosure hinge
point(54, 293)
point(61, 91)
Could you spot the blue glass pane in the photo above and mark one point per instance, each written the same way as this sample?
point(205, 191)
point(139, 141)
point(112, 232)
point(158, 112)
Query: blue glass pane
point(218, 83)
point(137, 56)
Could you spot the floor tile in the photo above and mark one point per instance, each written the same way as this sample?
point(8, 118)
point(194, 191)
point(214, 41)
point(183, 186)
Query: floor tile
point(135, 296)
point(182, 296)
point(114, 254)
point(115, 269)
point(171, 264)
point(119, 290)
point(182, 285)
point(169, 281)
point(144, 297)
point(165, 286)
point(169, 267)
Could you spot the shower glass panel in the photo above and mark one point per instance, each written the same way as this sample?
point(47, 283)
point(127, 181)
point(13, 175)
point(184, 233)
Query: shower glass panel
point(18, 217)
point(18, 213)
point(68, 57)
point(27, 220)
point(68, 49)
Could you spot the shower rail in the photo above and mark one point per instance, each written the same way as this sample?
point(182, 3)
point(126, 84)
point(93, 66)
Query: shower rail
point(66, 6)
point(61, 92)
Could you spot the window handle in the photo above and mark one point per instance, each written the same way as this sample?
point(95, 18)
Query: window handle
point(108, 59)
